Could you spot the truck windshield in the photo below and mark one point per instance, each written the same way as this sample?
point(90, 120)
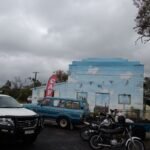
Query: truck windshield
point(8, 102)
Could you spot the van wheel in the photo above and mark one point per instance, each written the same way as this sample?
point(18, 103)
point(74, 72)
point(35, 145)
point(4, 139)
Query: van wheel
point(63, 123)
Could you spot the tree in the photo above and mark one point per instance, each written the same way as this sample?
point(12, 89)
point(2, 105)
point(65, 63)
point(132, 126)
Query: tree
point(6, 88)
point(16, 89)
point(61, 76)
point(24, 93)
point(147, 86)
point(17, 83)
point(143, 19)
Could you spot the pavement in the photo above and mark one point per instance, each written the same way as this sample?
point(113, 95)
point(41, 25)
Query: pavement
point(54, 138)
point(147, 141)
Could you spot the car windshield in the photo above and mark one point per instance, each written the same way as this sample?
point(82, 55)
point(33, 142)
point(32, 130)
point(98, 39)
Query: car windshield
point(9, 102)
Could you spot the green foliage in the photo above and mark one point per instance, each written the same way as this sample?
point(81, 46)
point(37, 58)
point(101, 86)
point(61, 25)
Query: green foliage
point(143, 19)
point(18, 92)
point(23, 94)
point(37, 83)
point(147, 87)
point(61, 76)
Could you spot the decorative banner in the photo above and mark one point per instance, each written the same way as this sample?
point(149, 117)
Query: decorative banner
point(50, 85)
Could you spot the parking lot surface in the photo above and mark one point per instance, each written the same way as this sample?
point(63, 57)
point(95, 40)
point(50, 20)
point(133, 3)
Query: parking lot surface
point(54, 138)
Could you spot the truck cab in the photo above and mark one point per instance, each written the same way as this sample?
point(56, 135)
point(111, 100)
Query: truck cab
point(16, 122)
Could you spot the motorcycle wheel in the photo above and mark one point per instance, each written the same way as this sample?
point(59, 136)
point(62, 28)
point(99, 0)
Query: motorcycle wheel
point(135, 145)
point(84, 133)
point(94, 141)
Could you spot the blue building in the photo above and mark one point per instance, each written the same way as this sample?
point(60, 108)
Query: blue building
point(105, 83)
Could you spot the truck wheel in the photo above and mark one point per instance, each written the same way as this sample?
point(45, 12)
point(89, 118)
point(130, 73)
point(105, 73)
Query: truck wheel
point(139, 132)
point(63, 122)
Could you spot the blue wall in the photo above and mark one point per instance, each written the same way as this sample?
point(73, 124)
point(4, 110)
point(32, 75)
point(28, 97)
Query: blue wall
point(114, 82)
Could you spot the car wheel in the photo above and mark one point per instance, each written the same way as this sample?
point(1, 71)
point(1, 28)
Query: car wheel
point(63, 122)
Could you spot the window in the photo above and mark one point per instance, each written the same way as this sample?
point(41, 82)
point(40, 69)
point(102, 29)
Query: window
point(82, 95)
point(45, 102)
point(72, 105)
point(61, 103)
point(68, 104)
point(75, 105)
point(102, 99)
point(56, 103)
point(124, 99)
point(8, 102)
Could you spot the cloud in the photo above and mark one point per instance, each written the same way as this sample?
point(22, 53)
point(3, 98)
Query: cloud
point(47, 35)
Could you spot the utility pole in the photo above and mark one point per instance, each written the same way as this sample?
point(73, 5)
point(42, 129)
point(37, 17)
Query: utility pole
point(35, 77)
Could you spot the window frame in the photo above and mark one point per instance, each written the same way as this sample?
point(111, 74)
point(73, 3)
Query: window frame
point(123, 102)
point(84, 98)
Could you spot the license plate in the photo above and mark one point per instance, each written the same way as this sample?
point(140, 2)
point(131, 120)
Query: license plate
point(29, 131)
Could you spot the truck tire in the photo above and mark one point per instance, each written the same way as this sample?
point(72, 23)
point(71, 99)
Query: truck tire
point(63, 122)
point(139, 131)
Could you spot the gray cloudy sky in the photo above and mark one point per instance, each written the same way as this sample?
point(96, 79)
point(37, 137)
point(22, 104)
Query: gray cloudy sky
point(46, 35)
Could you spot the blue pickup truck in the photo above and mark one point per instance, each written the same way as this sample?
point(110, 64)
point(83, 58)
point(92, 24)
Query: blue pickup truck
point(65, 111)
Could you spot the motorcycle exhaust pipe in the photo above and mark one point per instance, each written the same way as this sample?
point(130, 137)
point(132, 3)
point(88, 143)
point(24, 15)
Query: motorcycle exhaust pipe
point(86, 123)
point(104, 145)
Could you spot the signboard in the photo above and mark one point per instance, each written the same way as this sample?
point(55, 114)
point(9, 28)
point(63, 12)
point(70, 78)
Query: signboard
point(50, 85)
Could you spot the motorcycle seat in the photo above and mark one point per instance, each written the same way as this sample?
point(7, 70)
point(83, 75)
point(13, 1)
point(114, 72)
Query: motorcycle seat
point(113, 131)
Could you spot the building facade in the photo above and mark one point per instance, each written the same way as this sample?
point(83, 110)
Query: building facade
point(105, 83)
point(38, 93)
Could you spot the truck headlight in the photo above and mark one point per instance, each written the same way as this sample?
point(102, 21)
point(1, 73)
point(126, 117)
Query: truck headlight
point(6, 122)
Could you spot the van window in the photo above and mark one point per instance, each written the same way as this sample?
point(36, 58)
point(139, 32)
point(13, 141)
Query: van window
point(56, 102)
point(68, 104)
point(72, 105)
point(75, 105)
point(45, 102)
point(61, 103)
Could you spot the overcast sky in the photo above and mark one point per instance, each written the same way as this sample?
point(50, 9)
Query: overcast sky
point(46, 35)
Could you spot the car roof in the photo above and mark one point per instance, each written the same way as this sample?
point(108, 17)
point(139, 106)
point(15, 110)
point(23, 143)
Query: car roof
point(62, 98)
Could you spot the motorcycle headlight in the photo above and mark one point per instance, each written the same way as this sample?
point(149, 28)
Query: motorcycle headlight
point(6, 122)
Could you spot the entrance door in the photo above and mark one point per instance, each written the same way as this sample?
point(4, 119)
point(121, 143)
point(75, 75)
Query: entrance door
point(102, 102)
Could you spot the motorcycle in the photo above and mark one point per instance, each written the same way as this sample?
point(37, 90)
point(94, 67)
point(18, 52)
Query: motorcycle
point(91, 127)
point(119, 137)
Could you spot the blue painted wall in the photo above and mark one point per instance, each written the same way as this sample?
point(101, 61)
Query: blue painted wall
point(114, 82)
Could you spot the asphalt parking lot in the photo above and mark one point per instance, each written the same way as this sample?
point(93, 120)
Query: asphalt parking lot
point(54, 138)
